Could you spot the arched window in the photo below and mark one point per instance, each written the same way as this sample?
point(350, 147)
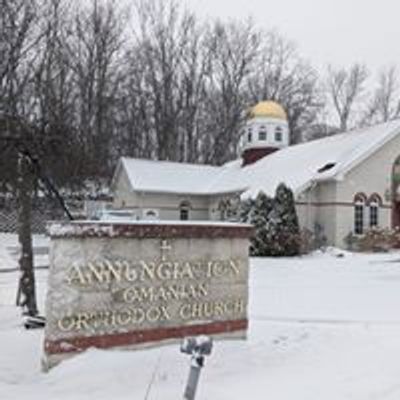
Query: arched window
point(262, 133)
point(374, 203)
point(373, 214)
point(359, 212)
point(278, 134)
point(249, 135)
point(184, 210)
point(151, 214)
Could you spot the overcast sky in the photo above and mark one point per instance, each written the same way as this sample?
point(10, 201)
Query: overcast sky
point(339, 32)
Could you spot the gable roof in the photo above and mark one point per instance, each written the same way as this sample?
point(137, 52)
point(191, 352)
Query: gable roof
point(363, 143)
point(297, 166)
point(172, 177)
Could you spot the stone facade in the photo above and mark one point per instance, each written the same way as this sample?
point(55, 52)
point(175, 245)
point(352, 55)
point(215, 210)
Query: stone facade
point(140, 284)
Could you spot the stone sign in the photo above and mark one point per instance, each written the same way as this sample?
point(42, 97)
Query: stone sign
point(136, 284)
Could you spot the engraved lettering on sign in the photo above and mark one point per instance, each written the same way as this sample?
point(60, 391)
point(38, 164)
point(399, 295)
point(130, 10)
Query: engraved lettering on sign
point(150, 292)
point(106, 271)
point(138, 315)
point(164, 293)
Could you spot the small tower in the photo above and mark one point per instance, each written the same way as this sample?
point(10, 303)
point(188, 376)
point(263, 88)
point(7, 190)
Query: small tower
point(266, 131)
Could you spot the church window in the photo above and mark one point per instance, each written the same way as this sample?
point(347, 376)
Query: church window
point(184, 209)
point(359, 211)
point(151, 215)
point(359, 219)
point(373, 215)
point(278, 134)
point(374, 203)
point(249, 135)
point(262, 134)
point(184, 214)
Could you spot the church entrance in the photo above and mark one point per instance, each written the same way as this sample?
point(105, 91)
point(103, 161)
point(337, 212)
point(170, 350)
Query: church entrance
point(396, 194)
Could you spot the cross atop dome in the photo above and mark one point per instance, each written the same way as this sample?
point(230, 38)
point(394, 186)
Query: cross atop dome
point(266, 131)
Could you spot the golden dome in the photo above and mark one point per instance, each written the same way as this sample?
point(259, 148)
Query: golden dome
point(268, 109)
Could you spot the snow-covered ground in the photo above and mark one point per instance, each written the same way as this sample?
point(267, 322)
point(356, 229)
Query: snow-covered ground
point(321, 327)
point(10, 251)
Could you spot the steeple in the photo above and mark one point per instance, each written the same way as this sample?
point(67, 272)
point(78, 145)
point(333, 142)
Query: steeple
point(266, 131)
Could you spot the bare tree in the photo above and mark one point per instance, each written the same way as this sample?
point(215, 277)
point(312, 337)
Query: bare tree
point(234, 48)
point(53, 93)
point(385, 103)
point(196, 70)
point(345, 88)
point(280, 74)
point(26, 298)
point(136, 136)
point(19, 38)
point(16, 41)
point(93, 45)
point(160, 59)
point(186, 89)
point(171, 88)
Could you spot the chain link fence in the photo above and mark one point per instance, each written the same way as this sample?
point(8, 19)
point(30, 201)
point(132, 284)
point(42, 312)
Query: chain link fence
point(43, 210)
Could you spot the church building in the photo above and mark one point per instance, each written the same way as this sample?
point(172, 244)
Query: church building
point(344, 183)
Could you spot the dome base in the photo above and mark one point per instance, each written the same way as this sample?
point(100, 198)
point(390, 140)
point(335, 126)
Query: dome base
point(250, 156)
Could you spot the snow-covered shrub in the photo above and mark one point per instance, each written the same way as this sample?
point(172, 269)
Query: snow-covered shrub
point(277, 231)
point(374, 240)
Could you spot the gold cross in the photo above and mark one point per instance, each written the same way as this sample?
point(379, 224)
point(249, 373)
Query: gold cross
point(164, 247)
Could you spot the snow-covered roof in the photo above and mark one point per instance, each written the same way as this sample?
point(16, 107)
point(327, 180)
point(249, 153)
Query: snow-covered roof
point(300, 165)
point(297, 166)
point(173, 177)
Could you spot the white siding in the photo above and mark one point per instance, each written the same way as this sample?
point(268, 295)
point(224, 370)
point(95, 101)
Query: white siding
point(124, 197)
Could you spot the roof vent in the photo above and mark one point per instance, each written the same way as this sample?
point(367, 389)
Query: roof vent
point(326, 167)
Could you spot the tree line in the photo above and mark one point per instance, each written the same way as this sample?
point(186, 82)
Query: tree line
point(91, 81)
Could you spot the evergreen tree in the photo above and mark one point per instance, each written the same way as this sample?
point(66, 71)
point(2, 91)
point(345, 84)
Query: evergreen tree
point(277, 231)
point(245, 209)
point(259, 216)
point(285, 225)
